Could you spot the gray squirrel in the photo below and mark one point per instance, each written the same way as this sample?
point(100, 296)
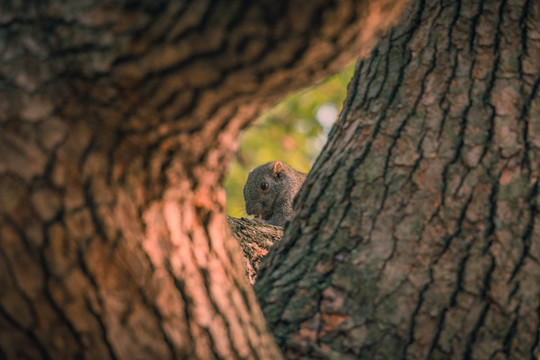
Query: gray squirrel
point(270, 190)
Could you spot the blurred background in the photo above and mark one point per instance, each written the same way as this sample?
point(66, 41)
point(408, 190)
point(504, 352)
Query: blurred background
point(294, 131)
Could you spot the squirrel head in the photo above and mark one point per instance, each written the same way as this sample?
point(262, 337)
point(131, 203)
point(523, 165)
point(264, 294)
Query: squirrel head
point(263, 186)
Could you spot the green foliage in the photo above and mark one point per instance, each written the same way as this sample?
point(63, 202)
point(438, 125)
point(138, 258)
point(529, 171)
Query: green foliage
point(289, 132)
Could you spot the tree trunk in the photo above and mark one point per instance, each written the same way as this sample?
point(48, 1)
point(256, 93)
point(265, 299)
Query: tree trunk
point(118, 119)
point(417, 234)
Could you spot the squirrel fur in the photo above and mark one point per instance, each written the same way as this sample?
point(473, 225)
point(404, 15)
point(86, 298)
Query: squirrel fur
point(270, 190)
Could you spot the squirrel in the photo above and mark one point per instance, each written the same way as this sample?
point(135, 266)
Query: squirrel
point(270, 190)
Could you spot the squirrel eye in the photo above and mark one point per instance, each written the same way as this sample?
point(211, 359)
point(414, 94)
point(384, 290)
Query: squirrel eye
point(264, 185)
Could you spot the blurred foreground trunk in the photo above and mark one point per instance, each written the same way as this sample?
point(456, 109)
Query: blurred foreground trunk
point(118, 120)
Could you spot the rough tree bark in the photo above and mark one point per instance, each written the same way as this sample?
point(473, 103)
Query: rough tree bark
point(418, 230)
point(118, 119)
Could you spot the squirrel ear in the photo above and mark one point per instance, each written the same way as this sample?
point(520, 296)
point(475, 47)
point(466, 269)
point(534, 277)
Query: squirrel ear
point(278, 169)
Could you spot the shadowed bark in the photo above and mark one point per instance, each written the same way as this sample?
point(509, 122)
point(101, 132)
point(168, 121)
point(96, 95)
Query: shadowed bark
point(118, 120)
point(417, 234)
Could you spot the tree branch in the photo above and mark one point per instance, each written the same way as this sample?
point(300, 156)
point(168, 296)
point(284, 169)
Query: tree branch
point(255, 238)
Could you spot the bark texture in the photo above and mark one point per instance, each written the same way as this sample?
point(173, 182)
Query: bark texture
point(255, 238)
point(118, 119)
point(418, 230)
